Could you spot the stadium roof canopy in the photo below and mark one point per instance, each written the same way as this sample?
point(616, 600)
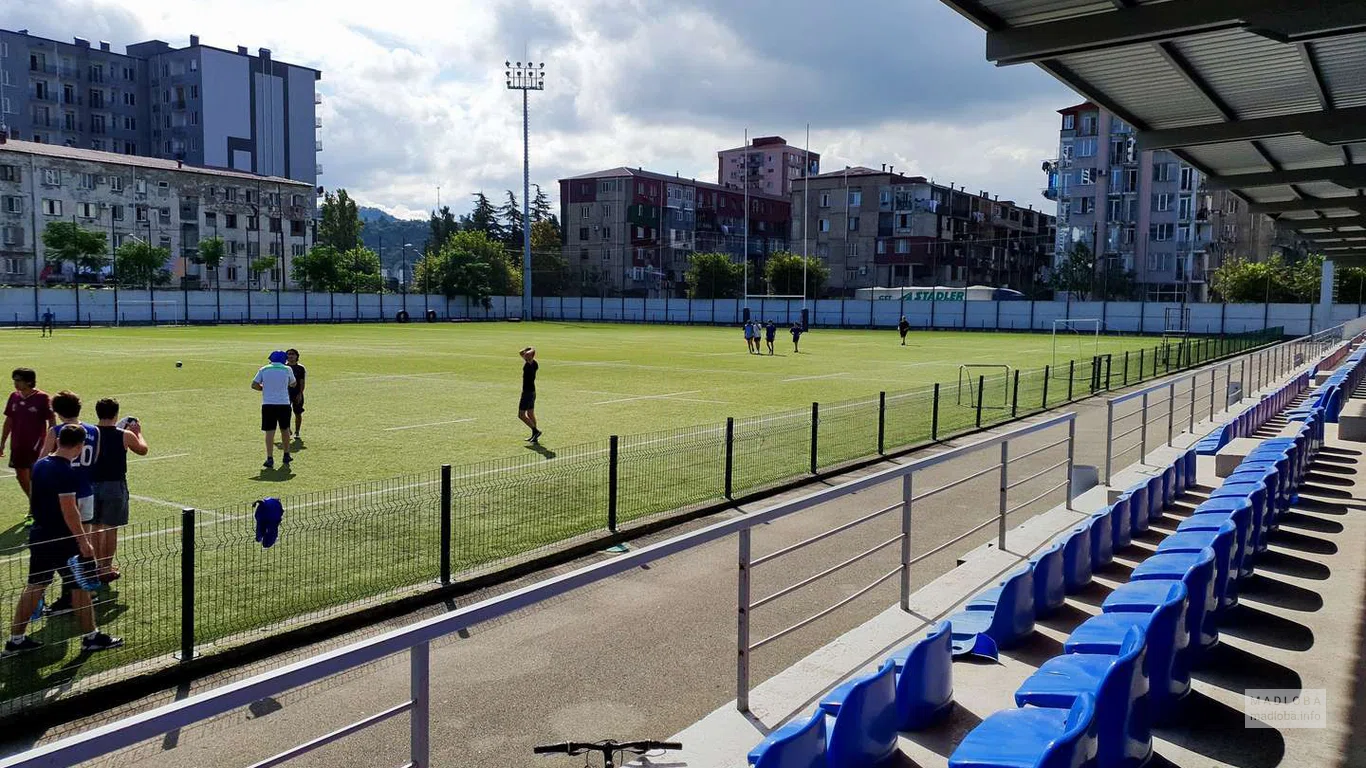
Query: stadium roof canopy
point(1266, 97)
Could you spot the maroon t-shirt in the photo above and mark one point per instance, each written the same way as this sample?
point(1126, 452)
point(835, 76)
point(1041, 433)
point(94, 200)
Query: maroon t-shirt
point(28, 420)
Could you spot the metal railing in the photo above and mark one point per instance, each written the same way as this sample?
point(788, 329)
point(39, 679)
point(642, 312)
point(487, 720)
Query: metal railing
point(1178, 401)
point(415, 640)
point(746, 605)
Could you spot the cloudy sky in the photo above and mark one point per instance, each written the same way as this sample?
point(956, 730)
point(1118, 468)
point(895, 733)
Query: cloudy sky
point(414, 95)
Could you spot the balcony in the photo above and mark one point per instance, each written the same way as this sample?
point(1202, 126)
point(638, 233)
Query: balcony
point(318, 169)
point(69, 73)
point(317, 146)
point(45, 96)
point(317, 98)
point(47, 69)
point(178, 104)
point(317, 122)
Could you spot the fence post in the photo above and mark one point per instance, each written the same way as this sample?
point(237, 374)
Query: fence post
point(1109, 437)
point(1171, 410)
point(1143, 433)
point(1005, 484)
point(186, 584)
point(1126, 367)
point(1046, 376)
point(1109, 372)
point(612, 484)
point(1140, 364)
point(445, 523)
point(742, 624)
point(1228, 386)
point(1015, 395)
point(1191, 428)
point(981, 385)
point(815, 433)
point(1212, 375)
point(1071, 456)
point(906, 542)
point(419, 692)
point(881, 422)
point(934, 416)
point(730, 455)
point(1071, 376)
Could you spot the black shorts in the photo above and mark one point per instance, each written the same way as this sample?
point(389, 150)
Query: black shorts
point(274, 417)
point(297, 404)
point(46, 558)
point(528, 402)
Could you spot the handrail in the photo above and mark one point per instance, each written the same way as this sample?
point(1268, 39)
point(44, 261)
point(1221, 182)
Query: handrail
point(416, 637)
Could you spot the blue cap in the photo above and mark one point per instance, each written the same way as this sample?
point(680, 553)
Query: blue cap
point(278, 356)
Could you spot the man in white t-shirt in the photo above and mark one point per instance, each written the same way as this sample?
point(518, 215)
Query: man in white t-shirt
point(273, 382)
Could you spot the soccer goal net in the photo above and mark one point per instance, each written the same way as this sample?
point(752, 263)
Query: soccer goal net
point(989, 383)
point(160, 311)
point(1074, 339)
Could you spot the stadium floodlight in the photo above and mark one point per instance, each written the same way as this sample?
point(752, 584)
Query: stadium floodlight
point(525, 77)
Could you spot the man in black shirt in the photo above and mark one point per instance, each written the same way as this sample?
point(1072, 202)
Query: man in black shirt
point(296, 392)
point(526, 407)
point(56, 540)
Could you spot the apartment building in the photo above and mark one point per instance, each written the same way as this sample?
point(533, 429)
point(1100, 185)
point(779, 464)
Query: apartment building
point(880, 228)
point(633, 231)
point(769, 165)
point(165, 202)
point(199, 104)
point(1147, 210)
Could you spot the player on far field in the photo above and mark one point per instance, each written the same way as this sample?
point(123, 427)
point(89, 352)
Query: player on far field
point(797, 332)
point(770, 333)
point(296, 392)
point(28, 414)
point(56, 539)
point(273, 382)
point(526, 407)
point(48, 317)
point(903, 328)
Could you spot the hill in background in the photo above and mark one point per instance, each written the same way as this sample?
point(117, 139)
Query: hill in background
point(392, 232)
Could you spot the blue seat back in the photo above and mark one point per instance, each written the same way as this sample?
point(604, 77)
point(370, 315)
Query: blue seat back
point(864, 731)
point(1123, 520)
point(800, 744)
point(1102, 538)
point(1050, 588)
point(924, 689)
point(1076, 557)
point(1014, 616)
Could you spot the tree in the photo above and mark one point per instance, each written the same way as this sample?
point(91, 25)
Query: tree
point(484, 218)
point(784, 274)
point(441, 225)
point(714, 276)
point(511, 215)
point(1240, 281)
point(140, 263)
point(1076, 272)
point(549, 268)
point(260, 266)
point(358, 271)
point(340, 225)
point(318, 269)
point(67, 242)
point(211, 252)
point(540, 208)
point(470, 265)
point(1350, 285)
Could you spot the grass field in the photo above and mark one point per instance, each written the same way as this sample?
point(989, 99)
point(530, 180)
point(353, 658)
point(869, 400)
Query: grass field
point(388, 404)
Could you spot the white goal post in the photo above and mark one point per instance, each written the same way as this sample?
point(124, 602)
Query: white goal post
point(1074, 339)
point(992, 382)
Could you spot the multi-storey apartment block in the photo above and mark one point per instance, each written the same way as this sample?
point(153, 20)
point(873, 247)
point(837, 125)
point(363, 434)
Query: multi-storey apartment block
point(768, 165)
point(198, 104)
point(631, 230)
point(880, 228)
point(164, 202)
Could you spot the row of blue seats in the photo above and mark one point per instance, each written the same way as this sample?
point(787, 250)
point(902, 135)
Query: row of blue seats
point(1338, 387)
point(1252, 419)
point(1127, 668)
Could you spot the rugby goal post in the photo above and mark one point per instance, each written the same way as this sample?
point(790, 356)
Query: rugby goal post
point(163, 311)
point(1175, 334)
point(992, 381)
point(1074, 339)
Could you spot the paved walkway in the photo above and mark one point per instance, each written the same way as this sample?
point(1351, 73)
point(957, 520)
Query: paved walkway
point(639, 656)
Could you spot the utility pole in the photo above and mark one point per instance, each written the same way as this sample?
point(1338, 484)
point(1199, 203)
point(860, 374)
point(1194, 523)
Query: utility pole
point(525, 77)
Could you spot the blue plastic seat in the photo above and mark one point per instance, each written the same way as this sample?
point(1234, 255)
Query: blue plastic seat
point(799, 744)
point(1122, 523)
point(1004, 616)
point(1157, 495)
point(1102, 538)
point(1138, 508)
point(1032, 737)
point(924, 683)
point(1196, 571)
point(1076, 557)
point(862, 733)
point(1224, 543)
point(1255, 494)
point(1119, 683)
point(1170, 484)
point(1191, 461)
point(1210, 520)
point(1050, 586)
point(1163, 626)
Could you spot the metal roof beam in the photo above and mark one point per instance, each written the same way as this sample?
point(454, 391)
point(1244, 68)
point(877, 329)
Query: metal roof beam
point(1357, 220)
point(1347, 176)
point(1159, 22)
point(1357, 204)
point(1334, 126)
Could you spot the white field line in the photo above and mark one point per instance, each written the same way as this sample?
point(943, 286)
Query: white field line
point(162, 392)
point(428, 424)
point(648, 397)
point(160, 458)
point(813, 378)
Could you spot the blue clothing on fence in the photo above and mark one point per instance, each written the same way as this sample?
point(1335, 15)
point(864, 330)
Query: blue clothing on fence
point(269, 513)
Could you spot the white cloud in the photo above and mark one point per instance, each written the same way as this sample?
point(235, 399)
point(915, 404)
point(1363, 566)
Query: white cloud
point(413, 93)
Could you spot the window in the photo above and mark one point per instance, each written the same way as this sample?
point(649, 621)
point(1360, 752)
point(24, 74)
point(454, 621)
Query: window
point(1086, 147)
point(130, 123)
point(194, 118)
point(10, 173)
point(1084, 205)
point(1160, 232)
point(884, 198)
point(583, 233)
point(1069, 122)
point(52, 207)
point(823, 225)
point(116, 211)
point(130, 148)
point(163, 189)
point(194, 89)
point(1164, 171)
point(853, 223)
point(230, 194)
point(855, 198)
point(1086, 176)
point(6, 107)
point(14, 266)
point(275, 224)
point(14, 204)
point(1185, 208)
point(296, 228)
point(252, 196)
point(274, 248)
point(1187, 179)
point(13, 235)
point(1088, 125)
point(115, 183)
point(140, 186)
point(296, 250)
point(903, 246)
point(87, 210)
point(140, 214)
point(232, 268)
point(881, 246)
point(1162, 202)
point(253, 223)
point(825, 199)
point(1116, 209)
point(210, 219)
point(230, 220)
point(86, 181)
point(606, 233)
point(52, 177)
point(165, 215)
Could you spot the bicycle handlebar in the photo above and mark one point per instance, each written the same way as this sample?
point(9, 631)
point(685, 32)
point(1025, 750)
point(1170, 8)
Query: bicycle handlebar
point(580, 747)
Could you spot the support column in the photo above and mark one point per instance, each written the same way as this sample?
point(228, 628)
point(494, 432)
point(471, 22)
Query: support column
point(1325, 313)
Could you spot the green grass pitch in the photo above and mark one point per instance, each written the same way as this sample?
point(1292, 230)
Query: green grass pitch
point(388, 404)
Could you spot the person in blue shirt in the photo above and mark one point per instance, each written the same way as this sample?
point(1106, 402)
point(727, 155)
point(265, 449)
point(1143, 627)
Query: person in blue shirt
point(67, 405)
point(751, 344)
point(56, 540)
point(48, 319)
point(770, 333)
point(273, 382)
point(797, 332)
